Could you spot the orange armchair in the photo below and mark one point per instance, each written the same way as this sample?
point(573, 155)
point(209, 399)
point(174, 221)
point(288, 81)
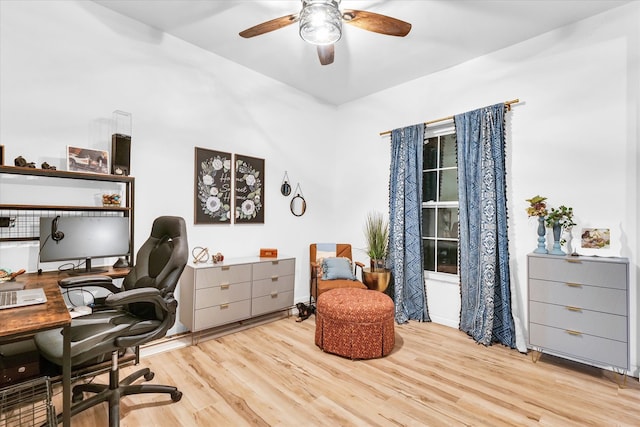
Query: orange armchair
point(317, 253)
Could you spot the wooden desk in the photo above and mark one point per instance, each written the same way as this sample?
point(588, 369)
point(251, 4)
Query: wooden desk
point(24, 322)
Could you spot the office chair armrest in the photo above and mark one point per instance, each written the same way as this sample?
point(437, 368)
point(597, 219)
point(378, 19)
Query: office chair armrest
point(149, 295)
point(132, 295)
point(83, 281)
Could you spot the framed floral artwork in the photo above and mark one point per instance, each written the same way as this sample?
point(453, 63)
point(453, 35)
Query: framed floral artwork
point(249, 193)
point(213, 179)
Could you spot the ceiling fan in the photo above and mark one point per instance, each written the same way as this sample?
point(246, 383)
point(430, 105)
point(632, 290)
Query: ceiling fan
point(321, 25)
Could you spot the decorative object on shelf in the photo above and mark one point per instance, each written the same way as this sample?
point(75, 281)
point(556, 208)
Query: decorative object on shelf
point(268, 253)
point(111, 200)
point(22, 163)
point(200, 254)
point(376, 233)
point(538, 208)
point(121, 143)
point(298, 204)
point(87, 160)
point(218, 257)
point(212, 187)
point(47, 166)
point(249, 197)
point(558, 220)
point(285, 188)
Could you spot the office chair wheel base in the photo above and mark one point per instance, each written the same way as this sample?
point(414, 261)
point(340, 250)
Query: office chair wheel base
point(77, 397)
point(149, 376)
point(176, 395)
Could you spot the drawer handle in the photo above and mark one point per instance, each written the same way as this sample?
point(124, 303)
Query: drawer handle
point(574, 285)
point(225, 267)
point(274, 294)
point(224, 306)
point(274, 262)
point(576, 309)
point(574, 261)
point(574, 333)
point(274, 278)
point(224, 287)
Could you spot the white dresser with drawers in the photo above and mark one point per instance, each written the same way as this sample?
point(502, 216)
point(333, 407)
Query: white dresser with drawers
point(213, 295)
point(579, 308)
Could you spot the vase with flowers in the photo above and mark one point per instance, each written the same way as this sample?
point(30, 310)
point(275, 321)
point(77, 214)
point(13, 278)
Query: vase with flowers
point(538, 208)
point(559, 220)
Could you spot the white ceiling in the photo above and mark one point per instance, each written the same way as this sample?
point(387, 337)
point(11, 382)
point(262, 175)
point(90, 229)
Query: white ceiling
point(444, 33)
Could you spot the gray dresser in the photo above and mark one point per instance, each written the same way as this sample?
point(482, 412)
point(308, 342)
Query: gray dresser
point(212, 295)
point(579, 308)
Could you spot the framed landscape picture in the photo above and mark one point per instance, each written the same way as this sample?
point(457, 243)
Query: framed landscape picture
point(213, 178)
point(87, 160)
point(249, 190)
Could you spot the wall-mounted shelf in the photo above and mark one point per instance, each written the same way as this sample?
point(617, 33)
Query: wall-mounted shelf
point(65, 174)
point(32, 212)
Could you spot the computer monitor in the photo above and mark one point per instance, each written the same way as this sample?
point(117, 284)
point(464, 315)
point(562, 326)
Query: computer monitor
point(83, 237)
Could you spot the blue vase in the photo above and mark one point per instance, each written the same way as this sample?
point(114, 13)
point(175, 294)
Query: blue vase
point(541, 249)
point(557, 231)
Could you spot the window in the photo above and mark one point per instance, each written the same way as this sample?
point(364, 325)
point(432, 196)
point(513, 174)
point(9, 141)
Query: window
point(440, 202)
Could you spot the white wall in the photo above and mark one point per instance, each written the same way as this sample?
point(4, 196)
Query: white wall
point(65, 66)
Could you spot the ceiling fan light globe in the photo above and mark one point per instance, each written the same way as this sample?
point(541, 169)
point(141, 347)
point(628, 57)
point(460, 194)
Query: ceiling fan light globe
point(320, 22)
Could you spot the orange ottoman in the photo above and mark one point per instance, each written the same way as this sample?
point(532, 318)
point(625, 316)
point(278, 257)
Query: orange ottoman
point(355, 323)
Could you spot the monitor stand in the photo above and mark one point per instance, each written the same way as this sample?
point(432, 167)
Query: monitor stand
point(88, 269)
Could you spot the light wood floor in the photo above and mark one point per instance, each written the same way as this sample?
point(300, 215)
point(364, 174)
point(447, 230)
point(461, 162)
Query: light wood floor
point(274, 375)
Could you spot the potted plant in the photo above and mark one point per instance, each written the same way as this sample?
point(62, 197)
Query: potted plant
point(376, 233)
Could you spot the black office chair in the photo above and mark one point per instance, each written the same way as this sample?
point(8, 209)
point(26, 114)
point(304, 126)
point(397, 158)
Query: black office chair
point(139, 312)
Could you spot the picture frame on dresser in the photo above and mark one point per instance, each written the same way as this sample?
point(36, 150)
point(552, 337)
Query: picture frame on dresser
point(602, 240)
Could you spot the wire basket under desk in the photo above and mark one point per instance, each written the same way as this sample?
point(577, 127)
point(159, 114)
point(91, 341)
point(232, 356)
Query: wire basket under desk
point(27, 404)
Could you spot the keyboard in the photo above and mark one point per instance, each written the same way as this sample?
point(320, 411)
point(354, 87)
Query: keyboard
point(8, 298)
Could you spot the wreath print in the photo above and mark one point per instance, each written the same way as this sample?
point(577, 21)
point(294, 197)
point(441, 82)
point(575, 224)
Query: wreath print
point(214, 189)
point(250, 193)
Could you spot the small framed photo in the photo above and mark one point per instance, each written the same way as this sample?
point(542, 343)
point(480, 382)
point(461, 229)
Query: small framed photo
point(87, 160)
point(599, 241)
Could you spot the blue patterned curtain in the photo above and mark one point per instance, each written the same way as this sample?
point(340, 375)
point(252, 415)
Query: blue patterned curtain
point(485, 312)
point(405, 222)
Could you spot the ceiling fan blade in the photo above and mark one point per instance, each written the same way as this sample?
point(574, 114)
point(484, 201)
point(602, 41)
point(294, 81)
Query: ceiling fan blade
point(325, 54)
point(268, 26)
point(377, 23)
